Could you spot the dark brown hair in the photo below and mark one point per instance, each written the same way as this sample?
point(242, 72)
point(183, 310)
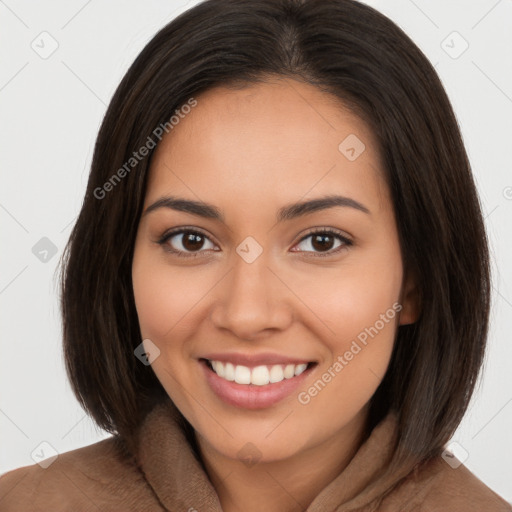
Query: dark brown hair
point(359, 56)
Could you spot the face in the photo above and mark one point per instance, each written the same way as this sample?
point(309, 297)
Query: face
point(263, 288)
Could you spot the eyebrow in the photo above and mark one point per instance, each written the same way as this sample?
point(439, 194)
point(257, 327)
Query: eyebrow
point(288, 212)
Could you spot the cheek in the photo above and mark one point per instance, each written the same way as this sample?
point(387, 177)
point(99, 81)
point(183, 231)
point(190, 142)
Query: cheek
point(359, 303)
point(352, 297)
point(357, 354)
point(164, 296)
point(363, 307)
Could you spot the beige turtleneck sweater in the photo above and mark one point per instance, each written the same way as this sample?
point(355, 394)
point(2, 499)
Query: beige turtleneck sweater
point(167, 476)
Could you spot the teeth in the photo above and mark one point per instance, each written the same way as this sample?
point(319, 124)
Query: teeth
point(300, 368)
point(242, 375)
point(289, 371)
point(259, 375)
point(276, 373)
point(229, 371)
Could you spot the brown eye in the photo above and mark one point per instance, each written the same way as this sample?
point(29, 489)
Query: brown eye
point(322, 242)
point(328, 242)
point(186, 242)
point(192, 241)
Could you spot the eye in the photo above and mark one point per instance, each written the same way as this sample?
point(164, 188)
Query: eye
point(190, 243)
point(324, 241)
point(185, 242)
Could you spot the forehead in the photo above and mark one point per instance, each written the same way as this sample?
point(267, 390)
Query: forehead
point(276, 140)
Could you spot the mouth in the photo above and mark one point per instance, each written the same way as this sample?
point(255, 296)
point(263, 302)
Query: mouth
point(254, 387)
point(261, 375)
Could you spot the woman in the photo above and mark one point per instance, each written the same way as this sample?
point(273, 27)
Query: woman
point(268, 296)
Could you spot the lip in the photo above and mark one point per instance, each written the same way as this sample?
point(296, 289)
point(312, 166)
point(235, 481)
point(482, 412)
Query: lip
point(253, 360)
point(250, 396)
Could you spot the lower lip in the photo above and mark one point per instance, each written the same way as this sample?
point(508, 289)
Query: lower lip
point(250, 396)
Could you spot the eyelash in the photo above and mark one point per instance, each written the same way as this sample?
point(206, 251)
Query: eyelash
point(315, 231)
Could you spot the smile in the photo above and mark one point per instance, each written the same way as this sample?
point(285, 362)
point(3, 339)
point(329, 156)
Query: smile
point(258, 387)
point(259, 375)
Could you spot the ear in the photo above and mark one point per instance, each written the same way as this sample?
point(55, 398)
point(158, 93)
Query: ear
point(410, 300)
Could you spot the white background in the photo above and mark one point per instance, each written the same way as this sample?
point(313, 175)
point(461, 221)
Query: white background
point(51, 110)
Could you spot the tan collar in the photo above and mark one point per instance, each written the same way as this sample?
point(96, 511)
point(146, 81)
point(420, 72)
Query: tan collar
point(177, 476)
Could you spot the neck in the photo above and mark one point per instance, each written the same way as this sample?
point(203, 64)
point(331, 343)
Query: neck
point(288, 485)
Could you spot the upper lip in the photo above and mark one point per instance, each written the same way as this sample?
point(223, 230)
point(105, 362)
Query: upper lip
point(252, 360)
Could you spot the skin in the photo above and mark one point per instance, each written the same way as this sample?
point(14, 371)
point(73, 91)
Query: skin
point(250, 152)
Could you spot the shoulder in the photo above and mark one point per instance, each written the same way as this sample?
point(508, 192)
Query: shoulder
point(99, 476)
point(437, 486)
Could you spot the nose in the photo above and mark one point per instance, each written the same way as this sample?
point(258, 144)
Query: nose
point(252, 300)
